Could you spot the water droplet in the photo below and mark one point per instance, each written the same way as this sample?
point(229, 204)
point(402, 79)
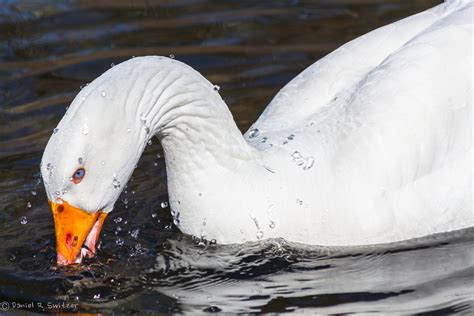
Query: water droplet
point(309, 163)
point(216, 88)
point(28, 205)
point(85, 129)
point(176, 221)
point(116, 183)
point(23, 220)
point(253, 132)
point(55, 130)
point(118, 220)
point(153, 215)
point(125, 201)
point(58, 193)
point(80, 160)
point(272, 224)
point(155, 164)
point(296, 155)
point(201, 243)
point(213, 242)
point(164, 204)
point(149, 142)
point(96, 296)
point(291, 137)
point(134, 233)
point(103, 94)
point(259, 234)
point(64, 191)
point(264, 139)
point(102, 162)
point(305, 162)
point(172, 56)
point(128, 130)
point(33, 193)
point(112, 65)
point(158, 156)
point(299, 202)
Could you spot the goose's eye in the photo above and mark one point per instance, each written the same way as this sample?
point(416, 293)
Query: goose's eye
point(78, 175)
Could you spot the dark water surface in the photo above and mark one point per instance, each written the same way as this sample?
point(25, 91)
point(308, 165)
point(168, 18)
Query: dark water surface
point(48, 49)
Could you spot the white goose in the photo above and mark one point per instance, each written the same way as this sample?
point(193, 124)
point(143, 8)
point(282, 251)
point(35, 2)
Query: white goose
point(371, 144)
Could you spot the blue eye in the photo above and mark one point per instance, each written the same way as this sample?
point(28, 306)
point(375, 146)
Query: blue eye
point(78, 175)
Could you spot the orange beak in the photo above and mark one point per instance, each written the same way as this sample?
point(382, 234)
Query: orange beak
point(77, 232)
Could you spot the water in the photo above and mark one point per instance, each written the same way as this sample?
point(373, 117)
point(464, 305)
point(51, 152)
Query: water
point(249, 50)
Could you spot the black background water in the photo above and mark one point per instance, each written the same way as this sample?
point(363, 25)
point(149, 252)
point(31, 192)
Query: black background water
point(48, 49)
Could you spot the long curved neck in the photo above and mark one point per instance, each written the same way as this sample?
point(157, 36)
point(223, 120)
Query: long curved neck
point(189, 117)
point(196, 129)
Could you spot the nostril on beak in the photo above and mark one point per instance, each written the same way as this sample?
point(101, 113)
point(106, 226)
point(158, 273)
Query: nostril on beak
point(69, 240)
point(60, 208)
point(74, 241)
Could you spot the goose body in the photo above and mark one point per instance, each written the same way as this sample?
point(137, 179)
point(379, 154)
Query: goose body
point(371, 144)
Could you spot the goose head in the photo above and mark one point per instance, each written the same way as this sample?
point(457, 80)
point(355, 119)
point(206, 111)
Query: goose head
point(89, 159)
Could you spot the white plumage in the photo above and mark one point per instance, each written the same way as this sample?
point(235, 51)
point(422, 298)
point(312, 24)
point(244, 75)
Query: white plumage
point(371, 144)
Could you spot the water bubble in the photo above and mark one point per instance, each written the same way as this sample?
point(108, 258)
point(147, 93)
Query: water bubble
point(128, 130)
point(164, 204)
point(102, 162)
point(23, 220)
point(58, 193)
point(155, 164)
point(153, 215)
point(80, 160)
point(253, 132)
point(33, 193)
point(116, 183)
point(119, 241)
point(134, 233)
point(103, 94)
point(118, 220)
point(296, 155)
point(172, 56)
point(309, 163)
point(125, 201)
point(55, 130)
point(176, 221)
point(259, 234)
point(28, 205)
point(305, 162)
point(112, 65)
point(216, 88)
point(272, 224)
point(96, 296)
point(158, 156)
point(201, 243)
point(85, 129)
